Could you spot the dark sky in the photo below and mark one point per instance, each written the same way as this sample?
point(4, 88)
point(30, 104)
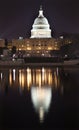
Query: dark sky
point(17, 16)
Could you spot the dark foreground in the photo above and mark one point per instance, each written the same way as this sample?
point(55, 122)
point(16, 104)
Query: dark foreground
point(39, 98)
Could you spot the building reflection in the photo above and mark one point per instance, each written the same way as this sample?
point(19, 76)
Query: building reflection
point(41, 99)
point(26, 78)
point(39, 81)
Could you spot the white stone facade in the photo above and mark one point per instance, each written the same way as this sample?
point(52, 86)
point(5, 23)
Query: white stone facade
point(41, 27)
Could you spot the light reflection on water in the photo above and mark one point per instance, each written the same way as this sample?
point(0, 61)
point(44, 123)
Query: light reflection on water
point(41, 98)
point(39, 81)
point(26, 78)
point(51, 91)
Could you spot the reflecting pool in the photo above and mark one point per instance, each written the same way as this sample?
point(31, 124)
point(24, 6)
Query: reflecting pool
point(39, 98)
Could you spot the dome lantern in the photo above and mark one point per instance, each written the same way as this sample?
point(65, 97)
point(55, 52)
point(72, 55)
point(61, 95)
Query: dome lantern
point(41, 12)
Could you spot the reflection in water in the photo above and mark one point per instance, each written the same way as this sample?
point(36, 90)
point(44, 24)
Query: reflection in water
point(29, 79)
point(21, 79)
point(1, 76)
point(10, 77)
point(40, 81)
point(41, 98)
point(13, 74)
point(25, 78)
point(48, 94)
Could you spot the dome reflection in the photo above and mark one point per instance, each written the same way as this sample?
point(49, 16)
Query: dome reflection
point(41, 99)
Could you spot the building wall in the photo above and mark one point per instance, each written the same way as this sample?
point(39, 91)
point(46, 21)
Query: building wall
point(36, 44)
point(2, 43)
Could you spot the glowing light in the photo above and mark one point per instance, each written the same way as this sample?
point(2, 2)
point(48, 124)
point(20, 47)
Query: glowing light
point(41, 27)
point(42, 54)
point(29, 79)
point(1, 76)
point(43, 69)
point(41, 98)
point(28, 48)
point(10, 77)
point(57, 71)
point(38, 77)
point(49, 78)
point(61, 37)
point(43, 74)
point(21, 79)
point(14, 74)
point(41, 114)
point(33, 77)
point(49, 48)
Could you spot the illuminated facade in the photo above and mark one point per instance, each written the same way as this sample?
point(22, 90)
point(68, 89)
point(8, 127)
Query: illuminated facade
point(35, 46)
point(2, 43)
point(41, 27)
point(40, 43)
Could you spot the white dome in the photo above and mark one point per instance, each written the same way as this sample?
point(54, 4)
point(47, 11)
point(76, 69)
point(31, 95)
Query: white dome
point(41, 20)
point(41, 27)
point(41, 23)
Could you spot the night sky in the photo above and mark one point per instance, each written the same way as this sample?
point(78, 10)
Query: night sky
point(17, 16)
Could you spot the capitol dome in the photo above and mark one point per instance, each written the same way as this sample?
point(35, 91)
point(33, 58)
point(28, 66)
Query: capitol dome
point(41, 20)
point(41, 27)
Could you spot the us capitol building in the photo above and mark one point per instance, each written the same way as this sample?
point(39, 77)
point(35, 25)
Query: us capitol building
point(40, 42)
point(41, 27)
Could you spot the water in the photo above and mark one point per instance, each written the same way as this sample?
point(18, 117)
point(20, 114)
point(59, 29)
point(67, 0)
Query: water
point(39, 98)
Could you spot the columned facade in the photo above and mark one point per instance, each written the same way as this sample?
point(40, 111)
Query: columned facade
point(36, 47)
point(41, 42)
